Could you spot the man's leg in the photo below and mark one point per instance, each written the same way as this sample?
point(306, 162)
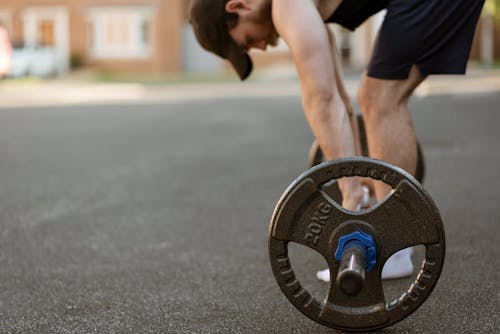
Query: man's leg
point(391, 138)
point(389, 127)
point(390, 135)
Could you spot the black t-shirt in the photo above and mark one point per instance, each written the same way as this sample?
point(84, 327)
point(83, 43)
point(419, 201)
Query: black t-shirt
point(351, 13)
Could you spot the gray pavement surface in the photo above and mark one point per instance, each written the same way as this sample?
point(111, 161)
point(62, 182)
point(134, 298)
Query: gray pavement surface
point(153, 218)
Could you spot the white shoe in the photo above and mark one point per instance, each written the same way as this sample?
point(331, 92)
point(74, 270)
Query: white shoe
point(323, 275)
point(365, 200)
point(399, 265)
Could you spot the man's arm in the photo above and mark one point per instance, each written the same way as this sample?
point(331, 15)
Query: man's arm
point(299, 23)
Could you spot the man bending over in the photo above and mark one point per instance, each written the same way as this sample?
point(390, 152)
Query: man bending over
point(417, 38)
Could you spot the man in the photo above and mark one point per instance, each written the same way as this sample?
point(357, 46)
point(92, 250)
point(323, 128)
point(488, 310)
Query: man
point(417, 38)
point(5, 51)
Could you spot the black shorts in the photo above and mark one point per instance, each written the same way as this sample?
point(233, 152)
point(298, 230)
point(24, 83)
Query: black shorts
point(435, 35)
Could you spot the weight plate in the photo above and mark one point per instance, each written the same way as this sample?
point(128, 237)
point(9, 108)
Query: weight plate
point(307, 215)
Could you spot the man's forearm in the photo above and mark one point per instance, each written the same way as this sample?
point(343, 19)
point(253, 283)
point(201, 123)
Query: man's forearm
point(330, 115)
point(330, 124)
point(337, 65)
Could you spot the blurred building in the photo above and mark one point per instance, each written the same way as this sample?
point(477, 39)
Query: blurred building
point(154, 36)
point(115, 35)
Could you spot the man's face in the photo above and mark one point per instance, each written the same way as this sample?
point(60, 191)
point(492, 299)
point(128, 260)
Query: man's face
point(255, 29)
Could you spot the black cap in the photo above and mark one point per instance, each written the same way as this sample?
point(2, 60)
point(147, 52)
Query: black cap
point(209, 21)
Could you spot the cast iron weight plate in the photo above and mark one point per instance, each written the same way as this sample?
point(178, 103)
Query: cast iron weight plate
point(316, 155)
point(305, 214)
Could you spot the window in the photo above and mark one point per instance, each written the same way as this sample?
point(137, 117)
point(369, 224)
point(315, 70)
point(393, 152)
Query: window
point(120, 32)
point(46, 32)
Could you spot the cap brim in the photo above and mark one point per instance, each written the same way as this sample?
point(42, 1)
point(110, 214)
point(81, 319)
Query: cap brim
point(240, 60)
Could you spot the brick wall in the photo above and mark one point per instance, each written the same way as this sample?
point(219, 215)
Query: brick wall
point(167, 20)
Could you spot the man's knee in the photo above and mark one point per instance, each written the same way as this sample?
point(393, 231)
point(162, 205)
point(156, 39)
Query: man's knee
point(377, 99)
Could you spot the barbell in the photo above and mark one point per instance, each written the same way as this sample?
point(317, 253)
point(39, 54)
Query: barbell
point(356, 245)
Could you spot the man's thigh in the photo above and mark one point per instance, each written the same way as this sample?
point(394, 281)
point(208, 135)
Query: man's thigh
point(386, 94)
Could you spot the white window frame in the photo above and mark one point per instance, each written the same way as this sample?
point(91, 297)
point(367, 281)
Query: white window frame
point(60, 15)
point(99, 18)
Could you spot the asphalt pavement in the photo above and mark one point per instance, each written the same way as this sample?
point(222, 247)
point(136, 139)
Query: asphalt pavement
point(153, 217)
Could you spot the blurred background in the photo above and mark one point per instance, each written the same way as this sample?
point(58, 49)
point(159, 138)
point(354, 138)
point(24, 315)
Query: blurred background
point(138, 176)
point(151, 40)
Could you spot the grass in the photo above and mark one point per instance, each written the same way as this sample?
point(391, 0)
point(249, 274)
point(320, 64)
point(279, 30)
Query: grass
point(162, 78)
point(26, 81)
point(91, 76)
